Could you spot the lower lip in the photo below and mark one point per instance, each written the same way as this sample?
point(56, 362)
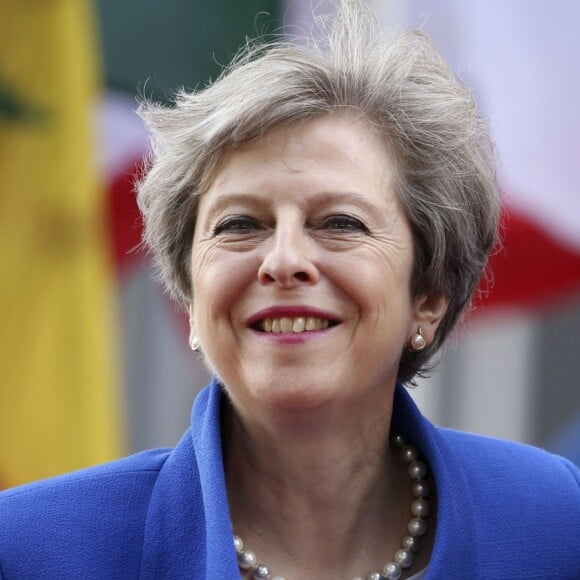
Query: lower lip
point(291, 337)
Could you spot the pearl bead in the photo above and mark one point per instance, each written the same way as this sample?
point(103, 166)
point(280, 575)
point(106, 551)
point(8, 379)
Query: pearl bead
point(238, 544)
point(420, 508)
point(409, 453)
point(261, 572)
point(397, 441)
point(412, 543)
point(417, 527)
point(404, 557)
point(417, 470)
point(279, 578)
point(421, 489)
point(375, 576)
point(246, 560)
point(392, 571)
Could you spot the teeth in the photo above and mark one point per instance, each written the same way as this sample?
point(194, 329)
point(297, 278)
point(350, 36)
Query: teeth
point(298, 324)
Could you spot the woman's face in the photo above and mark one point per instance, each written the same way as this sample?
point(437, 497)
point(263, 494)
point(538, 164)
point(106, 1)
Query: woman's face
point(301, 263)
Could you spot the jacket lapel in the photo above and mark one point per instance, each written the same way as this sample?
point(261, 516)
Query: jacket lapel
point(454, 552)
point(187, 530)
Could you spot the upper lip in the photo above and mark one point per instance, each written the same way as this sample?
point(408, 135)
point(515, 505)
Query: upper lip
point(291, 312)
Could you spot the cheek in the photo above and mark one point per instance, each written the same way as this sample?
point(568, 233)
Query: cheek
point(379, 286)
point(379, 279)
point(219, 279)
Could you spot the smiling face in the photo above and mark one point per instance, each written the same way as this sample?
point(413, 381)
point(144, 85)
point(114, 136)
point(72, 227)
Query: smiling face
point(302, 261)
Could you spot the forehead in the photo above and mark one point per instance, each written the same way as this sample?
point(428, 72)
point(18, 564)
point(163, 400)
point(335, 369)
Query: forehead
point(331, 152)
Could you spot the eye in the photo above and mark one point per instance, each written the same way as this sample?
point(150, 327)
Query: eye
point(344, 222)
point(237, 224)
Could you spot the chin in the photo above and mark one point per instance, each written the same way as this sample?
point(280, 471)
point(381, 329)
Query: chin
point(298, 399)
point(291, 394)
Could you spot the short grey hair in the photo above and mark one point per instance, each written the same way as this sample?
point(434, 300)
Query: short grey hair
point(407, 94)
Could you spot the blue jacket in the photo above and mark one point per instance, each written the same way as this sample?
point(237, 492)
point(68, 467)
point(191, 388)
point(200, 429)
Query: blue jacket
point(505, 510)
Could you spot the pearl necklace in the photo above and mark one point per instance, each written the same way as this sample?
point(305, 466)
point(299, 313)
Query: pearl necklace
point(411, 543)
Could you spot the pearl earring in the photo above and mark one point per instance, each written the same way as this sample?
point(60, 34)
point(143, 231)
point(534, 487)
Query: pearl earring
point(418, 341)
point(194, 343)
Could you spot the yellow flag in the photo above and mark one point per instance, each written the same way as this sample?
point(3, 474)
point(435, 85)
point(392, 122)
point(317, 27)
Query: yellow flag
point(59, 401)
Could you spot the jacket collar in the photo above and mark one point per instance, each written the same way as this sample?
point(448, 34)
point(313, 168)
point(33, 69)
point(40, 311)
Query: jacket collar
point(455, 548)
point(188, 533)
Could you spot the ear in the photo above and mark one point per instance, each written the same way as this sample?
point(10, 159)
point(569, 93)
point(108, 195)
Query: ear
point(428, 311)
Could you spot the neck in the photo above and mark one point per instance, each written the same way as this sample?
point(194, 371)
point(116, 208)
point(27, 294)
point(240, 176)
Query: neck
point(318, 489)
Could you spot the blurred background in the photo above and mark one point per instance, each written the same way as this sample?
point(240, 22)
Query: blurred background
point(94, 358)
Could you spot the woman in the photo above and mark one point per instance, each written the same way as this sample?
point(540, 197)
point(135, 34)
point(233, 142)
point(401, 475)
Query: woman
point(324, 213)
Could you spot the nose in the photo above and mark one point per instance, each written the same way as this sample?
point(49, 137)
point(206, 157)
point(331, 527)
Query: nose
point(288, 261)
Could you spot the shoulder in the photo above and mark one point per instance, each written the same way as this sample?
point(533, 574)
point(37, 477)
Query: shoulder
point(91, 511)
point(496, 462)
point(136, 470)
point(525, 504)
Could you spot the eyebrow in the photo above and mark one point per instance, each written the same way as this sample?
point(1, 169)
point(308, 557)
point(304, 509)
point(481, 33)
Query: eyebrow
point(225, 200)
point(353, 197)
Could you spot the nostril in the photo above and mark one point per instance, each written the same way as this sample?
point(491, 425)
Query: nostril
point(302, 276)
